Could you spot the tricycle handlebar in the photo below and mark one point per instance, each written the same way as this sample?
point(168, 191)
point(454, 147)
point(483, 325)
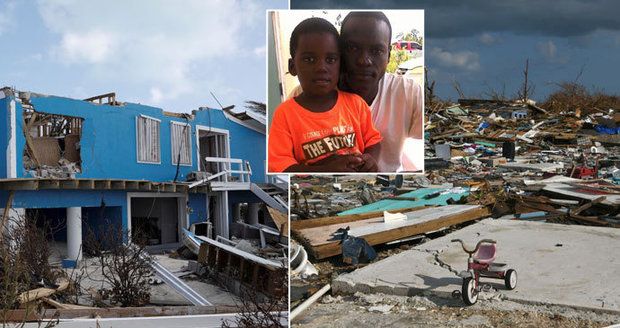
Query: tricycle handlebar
point(469, 251)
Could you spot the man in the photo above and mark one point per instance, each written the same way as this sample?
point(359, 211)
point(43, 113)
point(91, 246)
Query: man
point(395, 101)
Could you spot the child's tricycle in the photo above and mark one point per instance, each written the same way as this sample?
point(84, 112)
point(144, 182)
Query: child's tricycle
point(480, 264)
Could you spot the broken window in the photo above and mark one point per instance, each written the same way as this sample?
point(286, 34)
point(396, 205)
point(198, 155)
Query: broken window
point(147, 131)
point(52, 144)
point(180, 140)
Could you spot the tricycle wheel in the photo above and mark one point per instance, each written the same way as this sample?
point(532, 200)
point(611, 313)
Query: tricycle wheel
point(510, 280)
point(469, 292)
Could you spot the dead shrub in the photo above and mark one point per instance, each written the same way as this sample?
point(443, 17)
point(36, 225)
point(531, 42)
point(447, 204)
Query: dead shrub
point(125, 267)
point(260, 310)
point(24, 260)
point(24, 265)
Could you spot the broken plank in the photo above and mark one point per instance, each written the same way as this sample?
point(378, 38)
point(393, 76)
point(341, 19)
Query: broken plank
point(272, 265)
point(35, 294)
point(592, 220)
point(327, 248)
point(305, 224)
point(280, 219)
point(587, 205)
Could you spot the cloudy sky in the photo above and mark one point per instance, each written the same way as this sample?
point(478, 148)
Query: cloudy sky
point(169, 54)
point(483, 45)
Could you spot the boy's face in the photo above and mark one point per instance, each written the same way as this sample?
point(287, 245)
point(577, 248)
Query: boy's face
point(316, 63)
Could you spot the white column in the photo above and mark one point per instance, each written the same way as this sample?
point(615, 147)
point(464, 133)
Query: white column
point(74, 233)
point(253, 213)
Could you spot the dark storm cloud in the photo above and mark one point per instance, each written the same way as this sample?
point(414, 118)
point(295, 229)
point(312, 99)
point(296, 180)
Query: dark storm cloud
point(458, 18)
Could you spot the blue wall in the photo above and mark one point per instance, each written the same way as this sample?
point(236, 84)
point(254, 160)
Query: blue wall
point(198, 208)
point(108, 141)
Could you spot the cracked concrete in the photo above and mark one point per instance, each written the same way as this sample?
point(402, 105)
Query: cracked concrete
point(556, 264)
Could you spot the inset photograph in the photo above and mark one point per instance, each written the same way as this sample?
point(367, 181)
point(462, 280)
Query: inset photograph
point(345, 91)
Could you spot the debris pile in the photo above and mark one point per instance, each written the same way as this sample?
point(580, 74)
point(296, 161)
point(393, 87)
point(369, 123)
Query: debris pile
point(515, 148)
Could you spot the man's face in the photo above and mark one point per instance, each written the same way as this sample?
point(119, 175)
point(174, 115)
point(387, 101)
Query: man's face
point(316, 63)
point(366, 52)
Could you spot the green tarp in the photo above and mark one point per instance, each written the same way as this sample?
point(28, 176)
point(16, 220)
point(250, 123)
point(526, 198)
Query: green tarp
point(419, 194)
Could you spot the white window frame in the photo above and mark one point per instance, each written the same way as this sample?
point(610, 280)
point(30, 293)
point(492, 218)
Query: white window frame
point(224, 132)
point(138, 139)
point(174, 147)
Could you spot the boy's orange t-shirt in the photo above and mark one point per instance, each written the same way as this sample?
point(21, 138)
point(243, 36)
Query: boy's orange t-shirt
point(299, 136)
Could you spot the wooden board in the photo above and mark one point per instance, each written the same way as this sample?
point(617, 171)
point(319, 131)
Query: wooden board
point(319, 222)
point(280, 219)
point(35, 294)
point(321, 243)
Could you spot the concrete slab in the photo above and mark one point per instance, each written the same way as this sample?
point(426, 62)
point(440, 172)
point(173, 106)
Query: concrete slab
point(556, 264)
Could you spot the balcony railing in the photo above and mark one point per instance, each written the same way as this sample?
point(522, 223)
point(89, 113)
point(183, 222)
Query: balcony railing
point(228, 170)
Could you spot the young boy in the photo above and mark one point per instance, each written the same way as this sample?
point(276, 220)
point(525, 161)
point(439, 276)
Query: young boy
point(322, 121)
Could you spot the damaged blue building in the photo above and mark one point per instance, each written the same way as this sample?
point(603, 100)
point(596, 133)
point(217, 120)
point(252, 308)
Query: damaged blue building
point(83, 164)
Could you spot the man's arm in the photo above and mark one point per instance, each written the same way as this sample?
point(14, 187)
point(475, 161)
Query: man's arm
point(416, 129)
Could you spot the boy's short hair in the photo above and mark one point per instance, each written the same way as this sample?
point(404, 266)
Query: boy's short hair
point(377, 15)
point(311, 25)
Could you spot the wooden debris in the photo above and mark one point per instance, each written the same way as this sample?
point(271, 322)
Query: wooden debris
point(280, 219)
point(317, 234)
point(38, 293)
point(244, 267)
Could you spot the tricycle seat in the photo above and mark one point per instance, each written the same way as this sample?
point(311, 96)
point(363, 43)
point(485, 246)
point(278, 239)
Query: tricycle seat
point(485, 254)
